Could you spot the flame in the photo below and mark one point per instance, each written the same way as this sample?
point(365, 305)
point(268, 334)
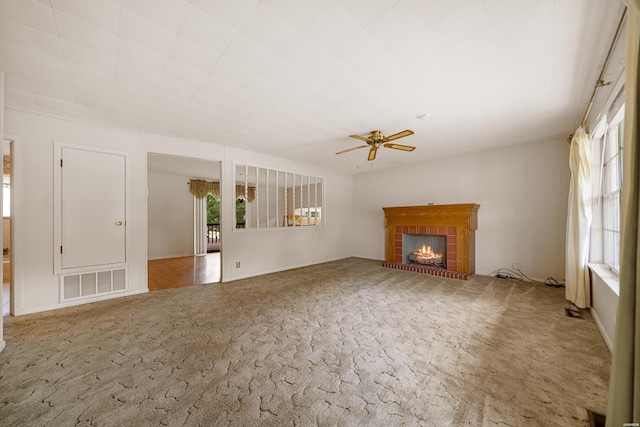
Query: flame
point(428, 252)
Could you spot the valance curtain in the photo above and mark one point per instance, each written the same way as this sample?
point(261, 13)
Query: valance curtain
point(579, 217)
point(624, 386)
point(200, 188)
point(251, 192)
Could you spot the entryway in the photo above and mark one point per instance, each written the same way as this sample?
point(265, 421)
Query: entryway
point(184, 245)
point(7, 252)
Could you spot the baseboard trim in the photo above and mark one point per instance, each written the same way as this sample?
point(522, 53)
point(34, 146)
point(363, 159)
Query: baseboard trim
point(3, 344)
point(603, 332)
point(79, 302)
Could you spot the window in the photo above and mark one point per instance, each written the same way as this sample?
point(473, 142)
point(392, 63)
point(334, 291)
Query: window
point(268, 198)
point(610, 137)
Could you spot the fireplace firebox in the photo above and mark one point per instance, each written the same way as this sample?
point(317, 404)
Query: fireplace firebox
point(424, 249)
point(453, 225)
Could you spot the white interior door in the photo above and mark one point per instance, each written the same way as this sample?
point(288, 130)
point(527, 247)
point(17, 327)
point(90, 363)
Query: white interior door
point(93, 198)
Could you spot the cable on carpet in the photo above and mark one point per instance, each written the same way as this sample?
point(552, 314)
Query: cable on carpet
point(517, 274)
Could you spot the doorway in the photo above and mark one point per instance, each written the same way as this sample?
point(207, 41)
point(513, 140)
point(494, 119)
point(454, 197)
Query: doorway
point(175, 221)
point(7, 251)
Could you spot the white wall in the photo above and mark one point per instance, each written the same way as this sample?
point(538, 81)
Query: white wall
point(170, 216)
point(522, 192)
point(279, 249)
point(36, 287)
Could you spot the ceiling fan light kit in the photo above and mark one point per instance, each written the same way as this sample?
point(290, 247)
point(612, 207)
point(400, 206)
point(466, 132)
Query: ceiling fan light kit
point(376, 140)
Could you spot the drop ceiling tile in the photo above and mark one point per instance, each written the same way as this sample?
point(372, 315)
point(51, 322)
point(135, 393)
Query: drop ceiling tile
point(219, 87)
point(178, 71)
point(21, 99)
point(279, 71)
point(84, 89)
point(534, 20)
point(88, 58)
point(58, 108)
point(29, 38)
point(174, 91)
point(123, 100)
point(296, 13)
point(126, 119)
point(418, 46)
point(358, 50)
point(55, 92)
point(330, 27)
point(206, 31)
point(232, 13)
point(130, 53)
point(500, 9)
point(145, 33)
point(192, 55)
point(329, 69)
point(139, 76)
point(378, 69)
point(364, 15)
point(166, 13)
point(102, 14)
point(432, 11)
point(230, 72)
point(265, 28)
point(245, 52)
point(350, 84)
point(32, 14)
point(461, 23)
point(396, 25)
point(134, 88)
point(262, 86)
point(204, 103)
point(247, 99)
point(302, 52)
point(79, 33)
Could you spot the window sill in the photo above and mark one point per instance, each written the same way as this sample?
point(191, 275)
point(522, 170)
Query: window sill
point(612, 279)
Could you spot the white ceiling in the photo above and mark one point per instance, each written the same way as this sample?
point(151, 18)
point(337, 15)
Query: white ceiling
point(294, 78)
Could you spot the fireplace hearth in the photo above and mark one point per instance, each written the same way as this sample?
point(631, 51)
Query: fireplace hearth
point(433, 239)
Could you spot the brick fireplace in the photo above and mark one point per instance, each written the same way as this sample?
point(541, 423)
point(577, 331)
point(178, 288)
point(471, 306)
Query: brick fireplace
point(457, 223)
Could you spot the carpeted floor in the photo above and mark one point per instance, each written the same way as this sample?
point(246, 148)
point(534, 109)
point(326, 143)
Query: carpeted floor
point(346, 343)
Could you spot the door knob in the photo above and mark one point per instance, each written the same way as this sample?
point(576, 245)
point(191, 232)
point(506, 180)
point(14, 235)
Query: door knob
point(119, 223)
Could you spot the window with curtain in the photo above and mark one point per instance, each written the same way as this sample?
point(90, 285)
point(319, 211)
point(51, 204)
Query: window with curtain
point(608, 141)
point(611, 193)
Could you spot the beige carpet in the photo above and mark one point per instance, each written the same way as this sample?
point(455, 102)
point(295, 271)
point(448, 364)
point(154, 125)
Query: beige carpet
point(343, 343)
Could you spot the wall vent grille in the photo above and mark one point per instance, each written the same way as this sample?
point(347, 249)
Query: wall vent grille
point(88, 284)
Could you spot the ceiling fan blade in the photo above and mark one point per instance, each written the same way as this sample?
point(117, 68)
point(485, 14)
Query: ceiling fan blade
point(351, 149)
point(362, 138)
point(400, 147)
point(372, 152)
point(398, 135)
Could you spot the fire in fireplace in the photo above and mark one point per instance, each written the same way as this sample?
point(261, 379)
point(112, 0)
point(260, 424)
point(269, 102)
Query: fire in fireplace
point(425, 256)
point(424, 250)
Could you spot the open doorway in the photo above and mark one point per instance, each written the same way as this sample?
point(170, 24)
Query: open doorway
point(7, 252)
point(184, 245)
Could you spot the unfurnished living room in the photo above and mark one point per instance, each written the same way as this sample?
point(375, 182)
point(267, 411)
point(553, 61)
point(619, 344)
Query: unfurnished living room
point(322, 212)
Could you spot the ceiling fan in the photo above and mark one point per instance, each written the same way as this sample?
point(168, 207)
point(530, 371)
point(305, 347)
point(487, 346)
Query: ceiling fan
point(376, 140)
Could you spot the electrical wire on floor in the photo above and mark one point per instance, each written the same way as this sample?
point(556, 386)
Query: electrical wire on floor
point(517, 274)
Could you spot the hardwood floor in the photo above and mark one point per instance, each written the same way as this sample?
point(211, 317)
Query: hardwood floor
point(184, 271)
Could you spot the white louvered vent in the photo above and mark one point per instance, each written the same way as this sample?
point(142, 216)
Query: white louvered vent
point(88, 284)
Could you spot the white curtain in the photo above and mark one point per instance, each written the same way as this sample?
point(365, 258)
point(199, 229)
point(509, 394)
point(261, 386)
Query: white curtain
point(200, 225)
point(579, 217)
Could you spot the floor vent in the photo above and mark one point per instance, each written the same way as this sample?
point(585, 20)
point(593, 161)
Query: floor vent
point(596, 419)
point(92, 283)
